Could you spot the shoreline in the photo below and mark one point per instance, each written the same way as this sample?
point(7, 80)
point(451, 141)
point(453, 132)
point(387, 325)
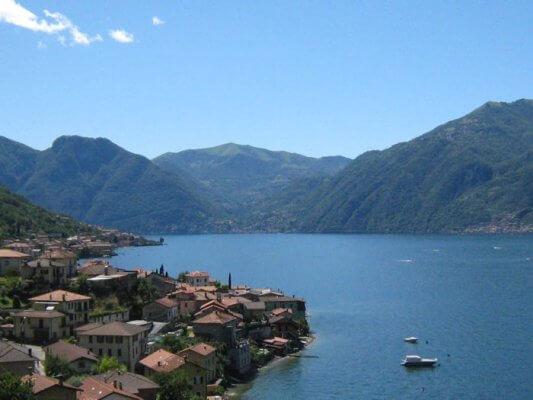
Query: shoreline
point(237, 390)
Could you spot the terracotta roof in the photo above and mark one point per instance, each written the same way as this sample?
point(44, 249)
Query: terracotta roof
point(202, 348)
point(59, 253)
point(87, 327)
point(114, 329)
point(69, 352)
point(57, 295)
point(166, 302)
point(11, 353)
point(279, 311)
point(93, 389)
point(97, 269)
point(8, 253)
point(276, 341)
point(40, 383)
point(130, 382)
point(162, 361)
point(214, 303)
point(215, 317)
point(39, 314)
point(197, 274)
point(19, 245)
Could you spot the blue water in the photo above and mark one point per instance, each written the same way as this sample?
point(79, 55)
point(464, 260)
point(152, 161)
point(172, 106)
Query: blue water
point(470, 297)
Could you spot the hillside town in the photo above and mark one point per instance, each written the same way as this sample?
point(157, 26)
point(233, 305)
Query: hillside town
point(87, 330)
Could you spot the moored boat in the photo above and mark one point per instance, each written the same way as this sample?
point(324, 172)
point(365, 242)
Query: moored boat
point(417, 361)
point(411, 339)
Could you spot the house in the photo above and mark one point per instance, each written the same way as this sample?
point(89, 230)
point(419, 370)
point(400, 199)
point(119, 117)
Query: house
point(215, 305)
point(125, 342)
point(204, 356)
point(163, 310)
point(125, 280)
point(53, 268)
point(105, 317)
point(197, 278)
point(254, 310)
point(284, 326)
point(40, 326)
point(21, 247)
point(217, 325)
point(47, 388)
point(76, 307)
point(16, 359)
point(162, 361)
point(95, 389)
point(280, 346)
point(163, 284)
point(97, 267)
point(11, 260)
point(186, 301)
point(136, 384)
point(240, 356)
point(80, 359)
point(295, 304)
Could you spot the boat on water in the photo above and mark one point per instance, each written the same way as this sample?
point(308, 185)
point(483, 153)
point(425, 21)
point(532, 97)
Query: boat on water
point(417, 361)
point(411, 339)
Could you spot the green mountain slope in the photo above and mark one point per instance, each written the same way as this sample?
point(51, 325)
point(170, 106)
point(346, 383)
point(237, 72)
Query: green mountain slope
point(239, 175)
point(96, 181)
point(469, 173)
point(18, 216)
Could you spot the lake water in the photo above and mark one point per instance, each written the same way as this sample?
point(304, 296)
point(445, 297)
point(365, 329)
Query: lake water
point(470, 297)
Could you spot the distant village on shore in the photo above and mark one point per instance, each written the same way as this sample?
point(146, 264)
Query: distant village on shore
point(88, 330)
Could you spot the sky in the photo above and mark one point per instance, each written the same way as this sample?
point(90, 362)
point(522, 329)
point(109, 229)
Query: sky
point(313, 77)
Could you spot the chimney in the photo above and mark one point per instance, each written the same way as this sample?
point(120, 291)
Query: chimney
point(50, 296)
point(115, 384)
point(120, 385)
point(64, 297)
point(29, 351)
point(159, 363)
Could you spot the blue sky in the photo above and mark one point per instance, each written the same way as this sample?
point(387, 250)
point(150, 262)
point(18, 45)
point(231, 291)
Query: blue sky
point(314, 77)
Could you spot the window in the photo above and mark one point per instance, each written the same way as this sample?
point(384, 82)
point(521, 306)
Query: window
point(99, 352)
point(81, 364)
point(109, 339)
point(99, 339)
point(90, 339)
point(119, 352)
point(41, 323)
point(118, 339)
point(109, 352)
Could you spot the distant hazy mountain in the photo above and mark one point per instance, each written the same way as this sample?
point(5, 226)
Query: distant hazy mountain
point(18, 215)
point(96, 181)
point(241, 175)
point(472, 173)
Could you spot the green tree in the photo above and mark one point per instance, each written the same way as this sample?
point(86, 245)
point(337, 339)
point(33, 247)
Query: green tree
point(181, 276)
point(54, 366)
point(146, 291)
point(108, 364)
point(13, 388)
point(175, 385)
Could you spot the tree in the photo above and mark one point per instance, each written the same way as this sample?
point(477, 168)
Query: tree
point(14, 388)
point(147, 292)
point(55, 366)
point(181, 276)
point(162, 270)
point(80, 285)
point(175, 385)
point(109, 364)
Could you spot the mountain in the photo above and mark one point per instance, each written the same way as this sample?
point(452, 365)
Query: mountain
point(239, 176)
point(471, 174)
point(96, 181)
point(18, 216)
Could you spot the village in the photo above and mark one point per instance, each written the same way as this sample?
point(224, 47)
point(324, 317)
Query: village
point(79, 328)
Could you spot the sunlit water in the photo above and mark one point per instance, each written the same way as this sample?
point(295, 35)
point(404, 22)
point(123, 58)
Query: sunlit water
point(469, 297)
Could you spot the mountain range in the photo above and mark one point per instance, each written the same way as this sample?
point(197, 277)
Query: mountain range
point(470, 174)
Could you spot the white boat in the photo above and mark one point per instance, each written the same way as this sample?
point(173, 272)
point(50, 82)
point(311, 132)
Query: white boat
point(417, 361)
point(411, 339)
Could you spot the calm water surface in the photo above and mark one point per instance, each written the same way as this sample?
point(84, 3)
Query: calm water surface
point(470, 297)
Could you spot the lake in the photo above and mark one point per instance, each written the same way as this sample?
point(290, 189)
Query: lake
point(468, 298)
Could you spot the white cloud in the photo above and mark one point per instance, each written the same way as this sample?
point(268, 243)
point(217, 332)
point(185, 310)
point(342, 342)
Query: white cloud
point(120, 35)
point(13, 13)
point(156, 21)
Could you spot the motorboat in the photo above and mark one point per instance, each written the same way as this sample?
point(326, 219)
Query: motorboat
point(411, 339)
point(417, 361)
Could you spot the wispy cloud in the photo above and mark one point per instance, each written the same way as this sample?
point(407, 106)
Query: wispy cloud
point(157, 21)
point(13, 13)
point(120, 35)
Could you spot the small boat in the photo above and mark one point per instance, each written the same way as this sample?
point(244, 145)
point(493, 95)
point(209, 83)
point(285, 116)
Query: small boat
point(411, 339)
point(417, 361)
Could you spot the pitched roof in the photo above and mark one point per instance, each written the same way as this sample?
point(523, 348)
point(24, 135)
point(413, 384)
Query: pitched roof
point(8, 253)
point(162, 361)
point(10, 353)
point(215, 317)
point(40, 383)
point(69, 352)
point(93, 389)
point(214, 303)
point(39, 314)
point(114, 329)
point(130, 382)
point(59, 253)
point(86, 327)
point(279, 311)
point(166, 302)
point(60, 295)
point(197, 274)
point(97, 269)
point(254, 305)
point(202, 348)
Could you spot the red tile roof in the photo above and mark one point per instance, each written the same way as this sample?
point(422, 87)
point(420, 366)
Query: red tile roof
point(114, 329)
point(166, 302)
point(215, 317)
point(197, 274)
point(60, 295)
point(7, 253)
point(93, 389)
point(41, 383)
point(162, 361)
point(202, 348)
point(69, 351)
